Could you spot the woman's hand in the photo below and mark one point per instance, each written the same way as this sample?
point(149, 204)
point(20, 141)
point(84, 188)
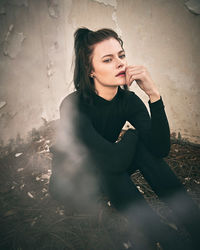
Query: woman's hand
point(143, 79)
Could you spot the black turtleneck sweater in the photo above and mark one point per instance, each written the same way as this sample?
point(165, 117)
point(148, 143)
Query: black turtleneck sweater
point(95, 128)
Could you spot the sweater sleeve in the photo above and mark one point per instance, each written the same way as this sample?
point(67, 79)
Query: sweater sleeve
point(153, 130)
point(78, 136)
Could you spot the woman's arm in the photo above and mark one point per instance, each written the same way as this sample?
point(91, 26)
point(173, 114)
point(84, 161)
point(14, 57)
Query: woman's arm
point(78, 136)
point(154, 130)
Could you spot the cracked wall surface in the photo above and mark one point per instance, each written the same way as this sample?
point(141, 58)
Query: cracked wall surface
point(36, 50)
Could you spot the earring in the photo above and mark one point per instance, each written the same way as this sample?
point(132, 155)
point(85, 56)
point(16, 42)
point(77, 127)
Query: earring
point(91, 75)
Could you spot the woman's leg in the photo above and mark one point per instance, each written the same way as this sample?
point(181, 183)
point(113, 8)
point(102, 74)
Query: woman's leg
point(168, 187)
point(125, 196)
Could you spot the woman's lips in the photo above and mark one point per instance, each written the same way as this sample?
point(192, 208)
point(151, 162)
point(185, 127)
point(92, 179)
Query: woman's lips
point(122, 75)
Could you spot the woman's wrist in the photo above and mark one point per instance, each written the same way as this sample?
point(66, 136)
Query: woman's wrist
point(155, 96)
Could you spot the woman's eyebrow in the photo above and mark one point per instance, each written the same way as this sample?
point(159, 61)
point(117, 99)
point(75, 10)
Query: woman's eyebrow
point(112, 54)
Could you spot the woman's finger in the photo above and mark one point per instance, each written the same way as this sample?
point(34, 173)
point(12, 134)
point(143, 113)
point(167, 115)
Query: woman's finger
point(130, 73)
point(136, 71)
point(132, 68)
point(135, 77)
point(133, 74)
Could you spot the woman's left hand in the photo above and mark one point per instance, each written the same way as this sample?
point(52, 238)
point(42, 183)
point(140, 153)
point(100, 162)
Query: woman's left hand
point(142, 77)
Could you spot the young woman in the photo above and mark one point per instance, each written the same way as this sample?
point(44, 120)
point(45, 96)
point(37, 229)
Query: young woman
point(88, 157)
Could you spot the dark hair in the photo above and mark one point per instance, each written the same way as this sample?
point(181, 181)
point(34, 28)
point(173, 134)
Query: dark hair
point(84, 41)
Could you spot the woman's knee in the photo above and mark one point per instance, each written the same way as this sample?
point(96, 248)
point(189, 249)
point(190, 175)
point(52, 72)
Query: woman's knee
point(142, 158)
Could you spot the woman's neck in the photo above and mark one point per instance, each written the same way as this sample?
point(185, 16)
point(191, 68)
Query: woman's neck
point(106, 92)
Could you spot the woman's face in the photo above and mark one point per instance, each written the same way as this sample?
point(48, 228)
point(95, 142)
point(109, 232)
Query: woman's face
point(108, 59)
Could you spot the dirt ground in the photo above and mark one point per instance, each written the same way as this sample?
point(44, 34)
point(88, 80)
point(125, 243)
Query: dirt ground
point(31, 219)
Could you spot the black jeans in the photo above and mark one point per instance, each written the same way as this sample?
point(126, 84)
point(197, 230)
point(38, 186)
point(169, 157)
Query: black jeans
point(125, 196)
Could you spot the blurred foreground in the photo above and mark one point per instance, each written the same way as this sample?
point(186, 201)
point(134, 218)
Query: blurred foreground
point(31, 219)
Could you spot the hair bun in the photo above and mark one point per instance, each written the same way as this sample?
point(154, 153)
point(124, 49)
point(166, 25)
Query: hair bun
point(80, 37)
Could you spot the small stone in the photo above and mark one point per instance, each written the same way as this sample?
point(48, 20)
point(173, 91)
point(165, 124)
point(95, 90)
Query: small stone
point(158, 246)
point(61, 212)
point(45, 176)
point(20, 169)
point(187, 178)
point(127, 245)
point(46, 148)
point(18, 154)
point(44, 190)
point(34, 221)
point(30, 195)
point(11, 27)
point(139, 188)
point(172, 225)
point(41, 140)
point(109, 203)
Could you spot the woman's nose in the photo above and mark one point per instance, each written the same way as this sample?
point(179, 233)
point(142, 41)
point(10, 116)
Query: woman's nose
point(120, 63)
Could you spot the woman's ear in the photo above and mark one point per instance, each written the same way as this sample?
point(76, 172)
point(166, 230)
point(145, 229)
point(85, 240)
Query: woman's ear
point(92, 74)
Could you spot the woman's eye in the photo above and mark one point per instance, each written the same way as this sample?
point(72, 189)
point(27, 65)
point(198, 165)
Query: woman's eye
point(123, 56)
point(108, 60)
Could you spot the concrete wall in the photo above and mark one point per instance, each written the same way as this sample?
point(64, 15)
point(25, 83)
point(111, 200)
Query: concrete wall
point(36, 48)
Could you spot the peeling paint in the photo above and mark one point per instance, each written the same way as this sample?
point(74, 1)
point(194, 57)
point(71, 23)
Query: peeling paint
point(193, 6)
point(50, 72)
point(53, 8)
point(112, 3)
point(9, 32)
point(178, 82)
point(114, 18)
point(2, 104)
point(12, 43)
